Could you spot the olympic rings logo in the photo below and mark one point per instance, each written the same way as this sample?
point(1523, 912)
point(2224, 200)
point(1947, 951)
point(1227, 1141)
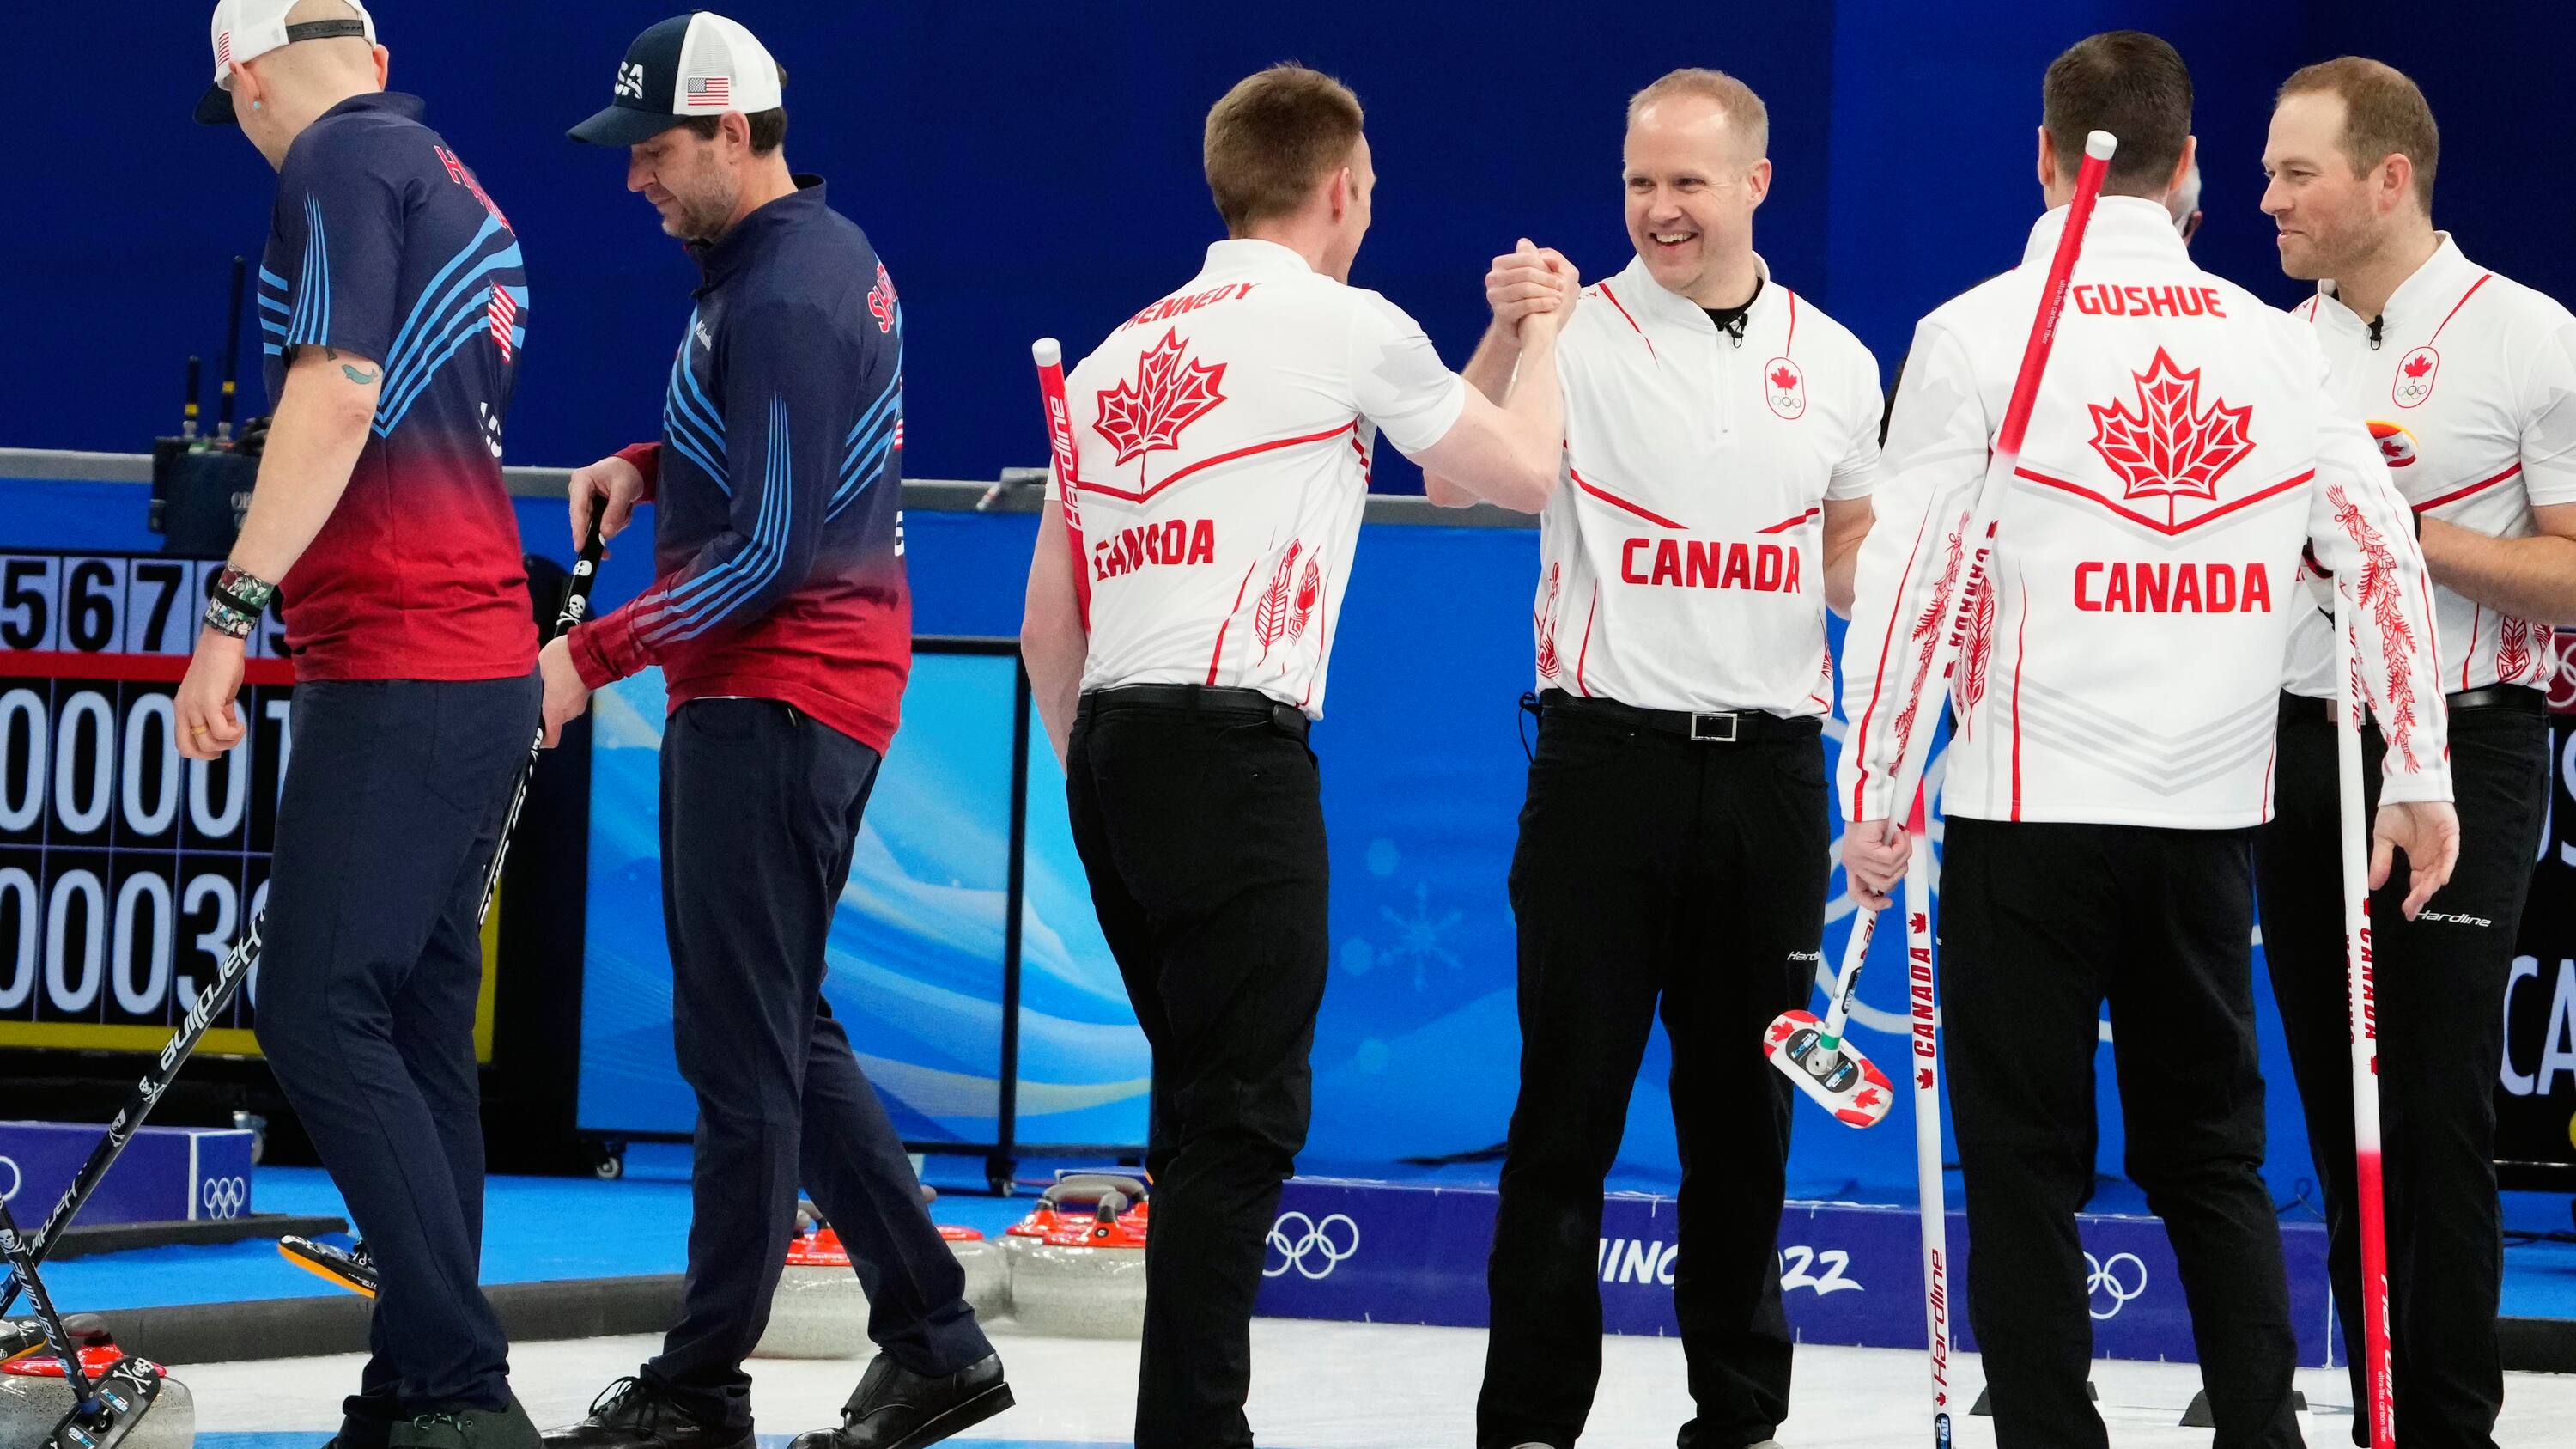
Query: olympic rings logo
point(1313, 1248)
point(2105, 1280)
point(224, 1197)
point(17, 1179)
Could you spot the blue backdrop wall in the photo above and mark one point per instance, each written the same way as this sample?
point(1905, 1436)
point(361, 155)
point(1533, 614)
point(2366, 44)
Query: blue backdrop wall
point(1032, 168)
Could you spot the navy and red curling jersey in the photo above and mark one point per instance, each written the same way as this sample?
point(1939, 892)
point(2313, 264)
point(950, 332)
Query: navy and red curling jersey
point(778, 536)
point(385, 248)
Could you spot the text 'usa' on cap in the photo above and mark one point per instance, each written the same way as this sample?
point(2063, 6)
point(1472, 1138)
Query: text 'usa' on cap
point(698, 64)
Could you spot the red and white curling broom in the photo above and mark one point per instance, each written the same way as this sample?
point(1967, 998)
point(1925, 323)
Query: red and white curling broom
point(2353, 827)
point(1049, 356)
point(1928, 1184)
point(1814, 1053)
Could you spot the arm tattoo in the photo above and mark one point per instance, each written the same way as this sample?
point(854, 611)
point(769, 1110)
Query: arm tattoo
point(354, 374)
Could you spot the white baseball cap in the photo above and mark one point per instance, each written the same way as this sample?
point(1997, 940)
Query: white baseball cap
point(246, 29)
point(698, 64)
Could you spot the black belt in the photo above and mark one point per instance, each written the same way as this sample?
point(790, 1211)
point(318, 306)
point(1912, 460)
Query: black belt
point(1239, 705)
point(1707, 727)
point(2518, 697)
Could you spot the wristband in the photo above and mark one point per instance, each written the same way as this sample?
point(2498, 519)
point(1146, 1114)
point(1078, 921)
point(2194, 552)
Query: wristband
point(223, 618)
point(242, 589)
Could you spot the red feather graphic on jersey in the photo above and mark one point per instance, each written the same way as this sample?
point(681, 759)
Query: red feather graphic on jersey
point(1309, 587)
point(1170, 392)
point(2513, 650)
point(1270, 615)
point(2378, 595)
point(1546, 619)
point(1927, 630)
point(2171, 445)
point(1981, 646)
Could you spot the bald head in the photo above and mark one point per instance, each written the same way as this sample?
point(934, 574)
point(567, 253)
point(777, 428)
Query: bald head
point(344, 62)
point(278, 93)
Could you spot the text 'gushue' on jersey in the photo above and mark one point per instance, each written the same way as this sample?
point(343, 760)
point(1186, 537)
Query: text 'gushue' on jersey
point(2123, 662)
point(2470, 393)
point(1681, 560)
point(384, 248)
point(778, 549)
point(1223, 437)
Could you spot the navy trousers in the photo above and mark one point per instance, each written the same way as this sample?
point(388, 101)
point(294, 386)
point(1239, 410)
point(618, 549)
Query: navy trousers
point(394, 801)
point(760, 814)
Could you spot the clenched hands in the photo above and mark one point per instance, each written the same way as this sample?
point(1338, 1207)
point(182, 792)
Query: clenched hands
point(1530, 281)
point(1875, 855)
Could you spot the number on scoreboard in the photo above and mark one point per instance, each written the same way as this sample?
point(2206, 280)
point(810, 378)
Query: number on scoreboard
point(126, 872)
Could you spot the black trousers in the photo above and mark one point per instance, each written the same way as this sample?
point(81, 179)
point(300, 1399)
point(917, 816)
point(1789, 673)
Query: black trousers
point(1653, 869)
point(2040, 923)
point(760, 814)
point(2441, 980)
point(393, 804)
point(1202, 831)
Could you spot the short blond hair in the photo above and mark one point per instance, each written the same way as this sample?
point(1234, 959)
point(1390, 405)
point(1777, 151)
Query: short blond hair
point(1746, 116)
point(1273, 137)
point(2384, 114)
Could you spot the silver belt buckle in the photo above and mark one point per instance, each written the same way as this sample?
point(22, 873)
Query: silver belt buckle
point(1704, 729)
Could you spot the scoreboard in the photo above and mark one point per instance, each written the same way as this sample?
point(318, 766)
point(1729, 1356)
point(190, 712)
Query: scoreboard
point(127, 872)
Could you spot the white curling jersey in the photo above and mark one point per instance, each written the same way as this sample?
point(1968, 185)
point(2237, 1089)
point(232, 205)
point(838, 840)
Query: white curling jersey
point(1222, 437)
point(1680, 560)
point(2122, 665)
point(2470, 392)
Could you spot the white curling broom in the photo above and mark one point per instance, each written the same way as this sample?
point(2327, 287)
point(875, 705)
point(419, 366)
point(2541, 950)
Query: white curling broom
point(1928, 1183)
point(1813, 1053)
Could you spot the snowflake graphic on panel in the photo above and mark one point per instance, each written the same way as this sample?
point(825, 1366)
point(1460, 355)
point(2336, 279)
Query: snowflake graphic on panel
point(1419, 939)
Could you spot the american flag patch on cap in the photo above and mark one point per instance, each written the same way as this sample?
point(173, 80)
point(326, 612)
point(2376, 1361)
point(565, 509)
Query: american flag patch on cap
point(710, 90)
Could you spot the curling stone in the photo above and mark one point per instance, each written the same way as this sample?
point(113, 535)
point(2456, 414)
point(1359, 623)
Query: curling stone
point(1078, 1260)
point(988, 1273)
point(821, 1311)
point(34, 1398)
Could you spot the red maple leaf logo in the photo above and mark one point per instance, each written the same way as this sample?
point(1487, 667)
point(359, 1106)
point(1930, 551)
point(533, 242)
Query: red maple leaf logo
point(2417, 366)
point(2171, 445)
point(1923, 1078)
point(1785, 380)
point(1867, 1097)
point(1782, 1031)
point(1918, 923)
point(1169, 393)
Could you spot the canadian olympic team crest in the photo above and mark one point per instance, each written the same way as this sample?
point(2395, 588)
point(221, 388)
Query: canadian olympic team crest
point(1313, 1247)
point(2416, 372)
point(224, 1197)
point(2112, 1283)
point(1784, 387)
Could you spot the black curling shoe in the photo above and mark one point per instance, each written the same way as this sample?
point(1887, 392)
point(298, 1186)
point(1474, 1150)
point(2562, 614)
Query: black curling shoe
point(633, 1413)
point(895, 1408)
